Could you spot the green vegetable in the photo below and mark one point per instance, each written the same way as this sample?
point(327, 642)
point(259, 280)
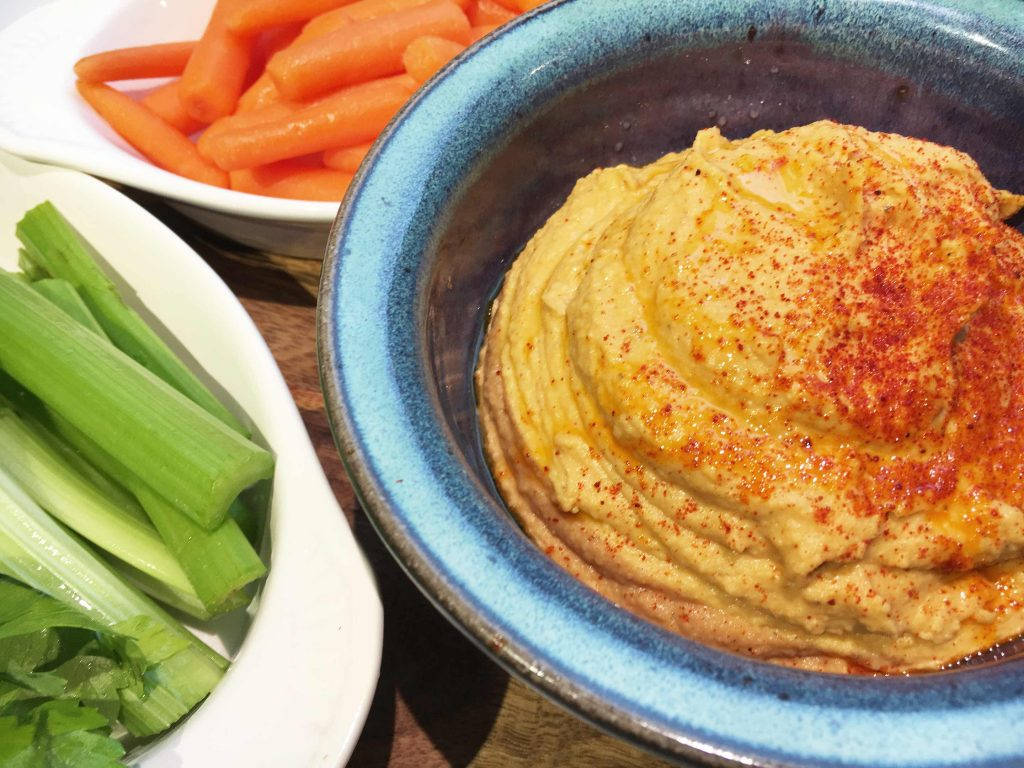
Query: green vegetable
point(186, 456)
point(217, 563)
point(53, 246)
point(176, 668)
point(104, 429)
point(63, 294)
point(38, 469)
point(62, 679)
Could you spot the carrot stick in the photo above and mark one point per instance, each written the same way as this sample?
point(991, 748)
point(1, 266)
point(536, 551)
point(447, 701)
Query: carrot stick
point(216, 72)
point(351, 116)
point(165, 103)
point(160, 60)
point(528, 5)
point(258, 15)
point(478, 33)
point(241, 121)
point(163, 145)
point(292, 179)
point(347, 159)
point(362, 50)
point(361, 10)
point(509, 5)
point(425, 56)
point(488, 12)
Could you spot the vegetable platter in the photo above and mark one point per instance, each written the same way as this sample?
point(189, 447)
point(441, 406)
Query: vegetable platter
point(304, 642)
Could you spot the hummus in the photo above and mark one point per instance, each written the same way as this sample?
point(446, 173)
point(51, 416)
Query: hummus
point(768, 393)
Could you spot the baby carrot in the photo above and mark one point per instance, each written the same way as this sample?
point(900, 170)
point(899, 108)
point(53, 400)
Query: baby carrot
point(347, 159)
point(361, 10)
point(425, 56)
point(528, 5)
point(509, 5)
point(351, 116)
point(165, 103)
point(477, 33)
point(259, 15)
point(159, 60)
point(362, 50)
point(163, 145)
point(488, 12)
point(215, 74)
point(240, 121)
point(292, 179)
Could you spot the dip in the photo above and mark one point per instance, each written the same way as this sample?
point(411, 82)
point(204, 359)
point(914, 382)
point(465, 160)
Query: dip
point(769, 393)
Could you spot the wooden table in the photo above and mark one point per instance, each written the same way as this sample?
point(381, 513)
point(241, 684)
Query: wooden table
point(440, 701)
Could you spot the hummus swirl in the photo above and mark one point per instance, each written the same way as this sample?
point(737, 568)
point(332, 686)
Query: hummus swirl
point(769, 393)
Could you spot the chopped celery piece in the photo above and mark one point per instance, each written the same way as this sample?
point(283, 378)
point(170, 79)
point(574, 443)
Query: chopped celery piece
point(63, 294)
point(217, 563)
point(186, 456)
point(180, 669)
point(56, 247)
point(186, 602)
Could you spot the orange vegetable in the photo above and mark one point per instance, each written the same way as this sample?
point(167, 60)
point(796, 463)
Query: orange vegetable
point(216, 72)
point(528, 5)
point(259, 94)
point(241, 121)
point(361, 10)
point(489, 12)
point(351, 116)
point(361, 50)
point(292, 179)
point(258, 15)
point(162, 144)
point(165, 103)
point(477, 33)
point(347, 159)
point(509, 5)
point(425, 55)
point(159, 60)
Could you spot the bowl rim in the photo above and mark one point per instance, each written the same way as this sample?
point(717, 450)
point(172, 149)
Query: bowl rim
point(803, 698)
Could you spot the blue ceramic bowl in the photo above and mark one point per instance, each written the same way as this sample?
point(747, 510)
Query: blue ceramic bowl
point(460, 181)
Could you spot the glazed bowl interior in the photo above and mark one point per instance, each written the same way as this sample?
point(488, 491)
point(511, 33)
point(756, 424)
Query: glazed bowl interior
point(464, 177)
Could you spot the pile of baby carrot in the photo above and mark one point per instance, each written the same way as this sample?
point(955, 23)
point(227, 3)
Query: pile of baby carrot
point(284, 97)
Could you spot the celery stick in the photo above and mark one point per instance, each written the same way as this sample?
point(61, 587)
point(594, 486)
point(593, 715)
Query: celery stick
point(113, 492)
point(54, 245)
point(71, 499)
point(63, 294)
point(217, 563)
point(187, 603)
point(187, 456)
point(36, 551)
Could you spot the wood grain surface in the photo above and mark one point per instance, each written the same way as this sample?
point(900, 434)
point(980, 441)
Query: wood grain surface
point(440, 701)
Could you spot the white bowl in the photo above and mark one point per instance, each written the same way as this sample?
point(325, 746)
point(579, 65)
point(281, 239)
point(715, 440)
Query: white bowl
point(43, 118)
point(301, 681)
